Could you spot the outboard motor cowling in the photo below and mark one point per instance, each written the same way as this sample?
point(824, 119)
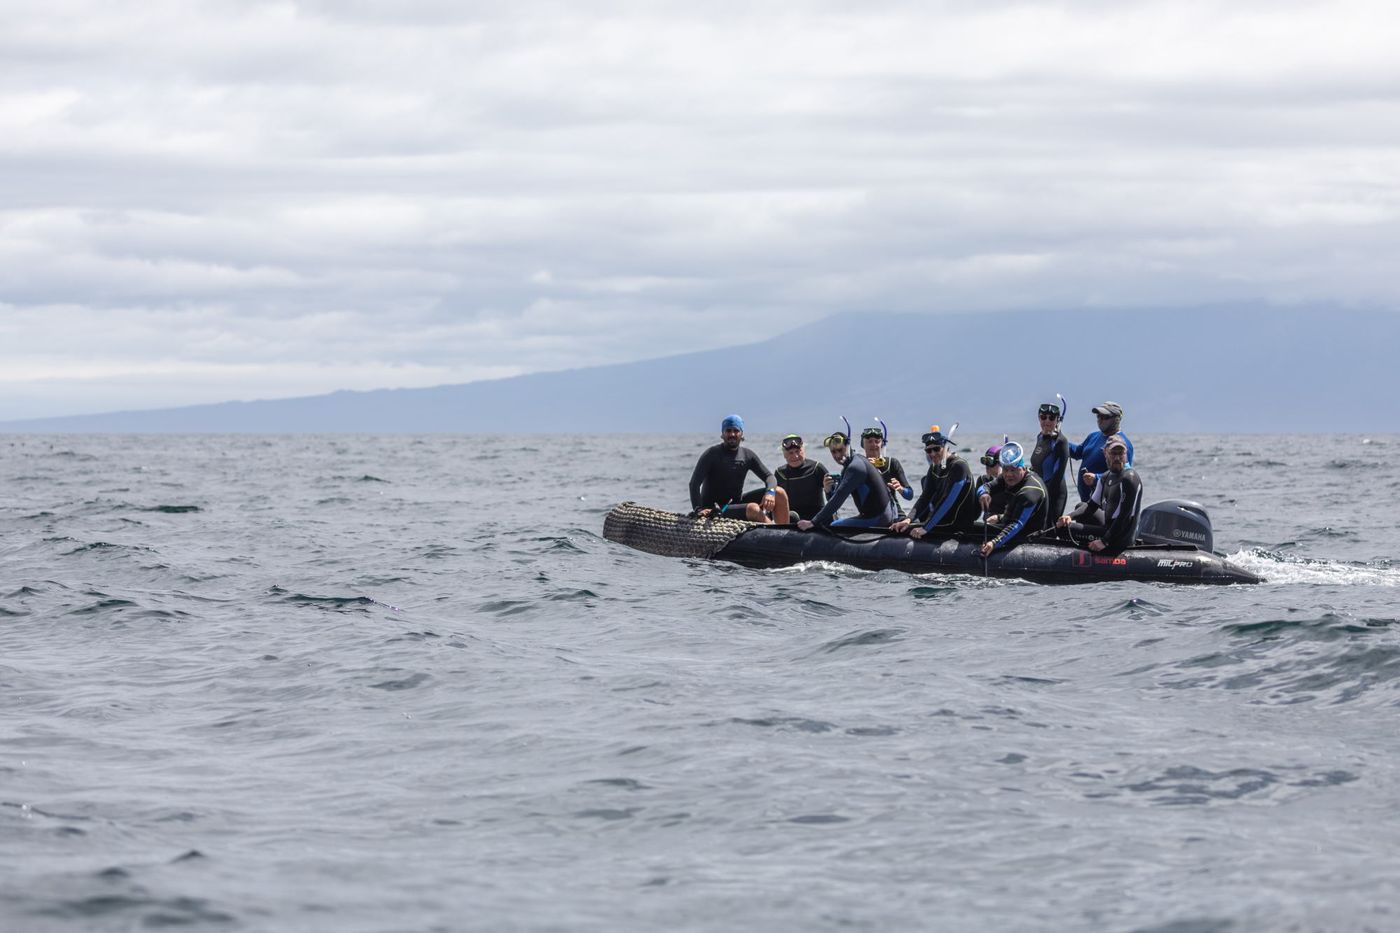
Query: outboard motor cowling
point(1176, 521)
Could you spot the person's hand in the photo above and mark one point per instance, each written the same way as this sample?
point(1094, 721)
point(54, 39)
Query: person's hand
point(993, 519)
point(702, 513)
point(769, 500)
point(894, 484)
point(985, 500)
point(1090, 479)
point(828, 482)
point(985, 549)
point(1096, 545)
point(917, 533)
point(1062, 521)
point(804, 525)
point(900, 525)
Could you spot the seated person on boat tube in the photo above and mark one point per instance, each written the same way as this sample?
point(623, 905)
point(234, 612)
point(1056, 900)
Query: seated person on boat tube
point(717, 485)
point(1023, 513)
point(948, 503)
point(803, 480)
point(874, 441)
point(860, 482)
point(1109, 518)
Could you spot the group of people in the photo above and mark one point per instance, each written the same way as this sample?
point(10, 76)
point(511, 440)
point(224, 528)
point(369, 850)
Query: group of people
point(1014, 498)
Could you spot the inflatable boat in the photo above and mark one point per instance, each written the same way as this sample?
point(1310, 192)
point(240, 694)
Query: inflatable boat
point(1174, 540)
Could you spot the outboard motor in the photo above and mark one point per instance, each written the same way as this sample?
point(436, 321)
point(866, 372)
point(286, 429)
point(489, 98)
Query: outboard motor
point(1176, 521)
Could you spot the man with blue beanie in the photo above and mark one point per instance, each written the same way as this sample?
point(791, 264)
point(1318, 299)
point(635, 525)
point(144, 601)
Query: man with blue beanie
point(717, 485)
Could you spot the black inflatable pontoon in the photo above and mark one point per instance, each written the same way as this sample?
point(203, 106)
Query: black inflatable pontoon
point(1161, 560)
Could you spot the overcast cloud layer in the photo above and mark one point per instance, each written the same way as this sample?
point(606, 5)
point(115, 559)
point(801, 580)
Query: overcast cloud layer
point(239, 200)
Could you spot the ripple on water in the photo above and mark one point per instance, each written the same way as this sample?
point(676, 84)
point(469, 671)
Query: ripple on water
point(878, 636)
point(1187, 785)
point(1330, 658)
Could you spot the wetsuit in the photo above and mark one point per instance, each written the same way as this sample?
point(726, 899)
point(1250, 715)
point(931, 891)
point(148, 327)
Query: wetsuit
point(805, 485)
point(1048, 462)
point(861, 481)
point(718, 480)
point(948, 503)
point(1022, 513)
point(1112, 511)
point(893, 469)
point(987, 484)
point(1091, 452)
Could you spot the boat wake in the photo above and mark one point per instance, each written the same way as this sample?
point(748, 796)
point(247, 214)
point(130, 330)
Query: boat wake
point(1275, 568)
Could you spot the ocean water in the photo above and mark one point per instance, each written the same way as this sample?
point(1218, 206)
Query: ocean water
point(403, 684)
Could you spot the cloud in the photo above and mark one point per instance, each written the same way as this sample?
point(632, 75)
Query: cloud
point(261, 199)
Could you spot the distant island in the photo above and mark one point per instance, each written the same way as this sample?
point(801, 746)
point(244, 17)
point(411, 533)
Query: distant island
point(1208, 370)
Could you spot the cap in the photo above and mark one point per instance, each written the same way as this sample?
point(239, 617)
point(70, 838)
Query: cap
point(731, 421)
point(1109, 410)
point(1012, 455)
point(1116, 440)
point(836, 440)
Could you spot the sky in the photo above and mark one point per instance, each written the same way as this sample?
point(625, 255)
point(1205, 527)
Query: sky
point(236, 200)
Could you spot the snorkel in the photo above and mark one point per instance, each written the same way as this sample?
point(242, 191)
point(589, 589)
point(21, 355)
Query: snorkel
point(879, 461)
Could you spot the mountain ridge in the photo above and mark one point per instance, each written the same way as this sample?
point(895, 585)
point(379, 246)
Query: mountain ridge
point(1210, 370)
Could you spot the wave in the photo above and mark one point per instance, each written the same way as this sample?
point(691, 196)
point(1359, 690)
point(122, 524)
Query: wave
point(1278, 568)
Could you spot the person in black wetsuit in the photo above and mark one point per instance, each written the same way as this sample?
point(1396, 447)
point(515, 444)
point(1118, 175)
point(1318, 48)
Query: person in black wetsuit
point(803, 480)
point(862, 483)
point(1022, 515)
point(1049, 459)
point(873, 441)
point(717, 485)
point(1112, 509)
point(948, 503)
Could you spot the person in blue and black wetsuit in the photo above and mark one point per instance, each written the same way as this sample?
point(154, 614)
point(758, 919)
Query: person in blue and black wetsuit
point(1022, 515)
point(717, 485)
point(1110, 415)
point(1049, 459)
point(860, 482)
point(948, 504)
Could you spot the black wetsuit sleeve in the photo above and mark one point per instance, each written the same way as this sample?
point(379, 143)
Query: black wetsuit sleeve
point(1021, 512)
point(906, 491)
point(920, 511)
point(852, 478)
point(703, 466)
point(756, 467)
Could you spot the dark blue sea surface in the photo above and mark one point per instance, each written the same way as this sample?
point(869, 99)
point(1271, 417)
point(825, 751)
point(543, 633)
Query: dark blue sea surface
point(402, 683)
